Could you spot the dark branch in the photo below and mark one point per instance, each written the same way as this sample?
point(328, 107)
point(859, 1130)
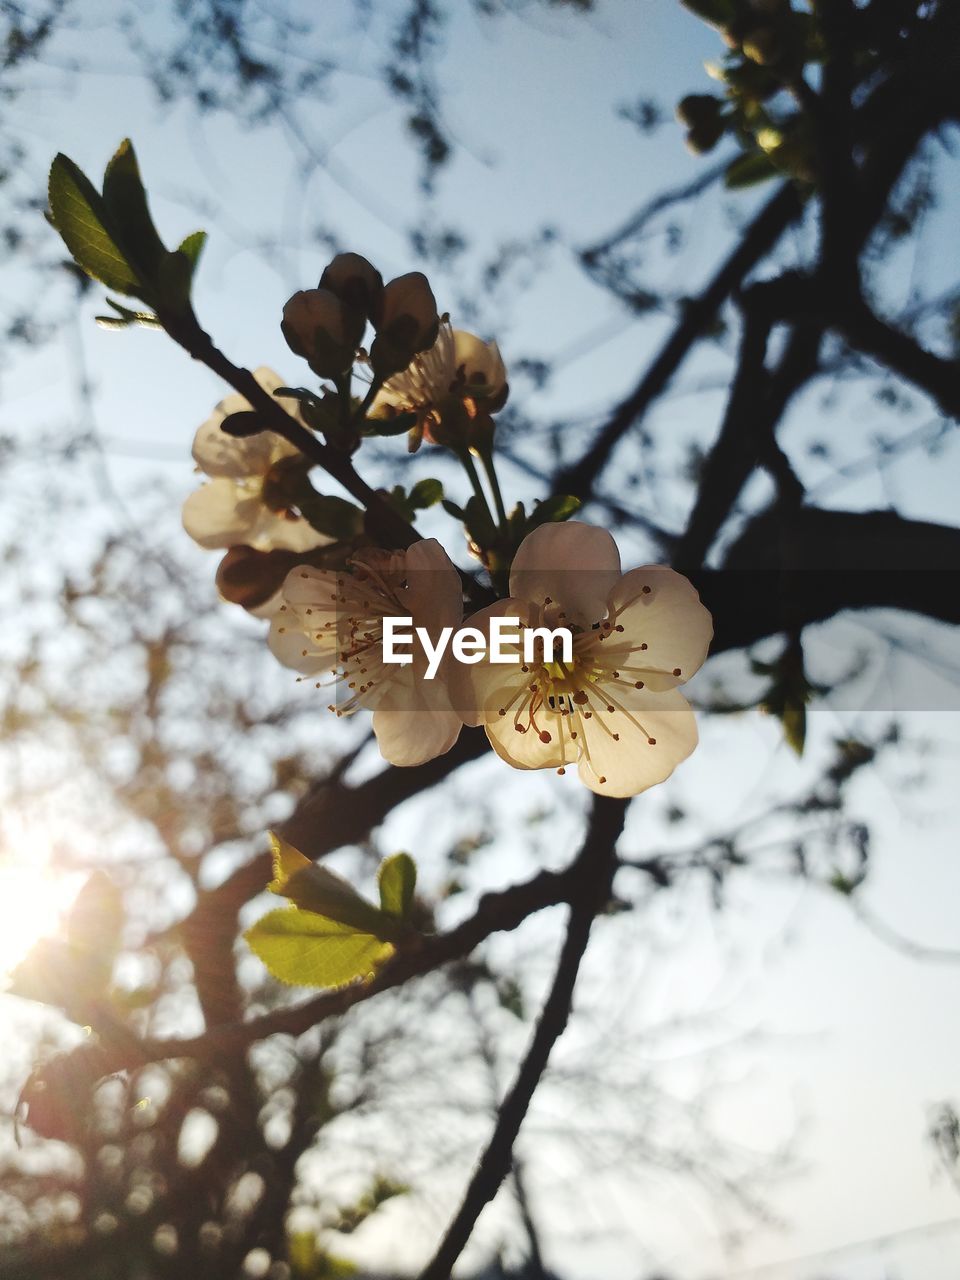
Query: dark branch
point(594, 870)
point(758, 239)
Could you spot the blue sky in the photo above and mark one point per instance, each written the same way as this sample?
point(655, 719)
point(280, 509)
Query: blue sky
point(841, 1036)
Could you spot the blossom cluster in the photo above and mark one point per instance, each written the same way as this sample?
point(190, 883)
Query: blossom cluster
point(610, 704)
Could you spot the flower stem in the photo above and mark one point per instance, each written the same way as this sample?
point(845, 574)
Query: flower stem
point(471, 470)
point(486, 457)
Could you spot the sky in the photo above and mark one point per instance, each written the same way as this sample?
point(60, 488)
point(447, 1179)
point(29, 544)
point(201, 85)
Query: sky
point(831, 1038)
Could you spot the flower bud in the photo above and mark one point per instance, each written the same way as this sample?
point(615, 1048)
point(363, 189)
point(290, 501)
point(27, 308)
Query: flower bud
point(406, 322)
point(355, 281)
point(250, 578)
point(697, 109)
point(704, 137)
point(317, 327)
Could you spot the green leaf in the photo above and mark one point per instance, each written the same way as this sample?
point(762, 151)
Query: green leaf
point(309, 950)
point(452, 509)
point(561, 506)
point(479, 522)
point(174, 280)
point(318, 889)
point(81, 217)
point(126, 318)
point(192, 247)
point(243, 423)
point(426, 493)
point(748, 170)
point(336, 517)
point(397, 879)
point(126, 204)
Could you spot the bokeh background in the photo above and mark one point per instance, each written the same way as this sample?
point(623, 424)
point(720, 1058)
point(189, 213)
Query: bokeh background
point(762, 1060)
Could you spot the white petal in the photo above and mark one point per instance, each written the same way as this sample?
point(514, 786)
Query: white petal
point(575, 565)
point(668, 618)
point(633, 763)
point(434, 590)
point(481, 361)
point(218, 454)
point(220, 514)
point(315, 588)
point(414, 721)
point(292, 647)
point(275, 532)
point(526, 749)
point(479, 689)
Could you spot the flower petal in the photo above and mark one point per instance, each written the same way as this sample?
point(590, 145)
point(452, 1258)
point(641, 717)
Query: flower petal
point(220, 514)
point(292, 647)
point(434, 590)
point(414, 721)
point(217, 454)
point(633, 763)
point(478, 690)
point(274, 531)
point(660, 609)
point(524, 748)
point(575, 565)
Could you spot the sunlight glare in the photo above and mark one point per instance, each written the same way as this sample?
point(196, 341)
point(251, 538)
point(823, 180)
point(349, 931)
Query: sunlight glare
point(33, 901)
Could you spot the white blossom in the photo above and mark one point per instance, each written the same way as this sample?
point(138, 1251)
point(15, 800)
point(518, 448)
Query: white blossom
point(230, 508)
point(616, 710)
point(331, 623)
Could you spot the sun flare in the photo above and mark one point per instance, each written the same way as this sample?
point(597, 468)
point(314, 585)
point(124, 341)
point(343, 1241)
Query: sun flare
point(32, 903)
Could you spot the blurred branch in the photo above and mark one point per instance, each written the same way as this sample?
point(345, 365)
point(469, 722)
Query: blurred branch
point(698, 314)
point(790, 568)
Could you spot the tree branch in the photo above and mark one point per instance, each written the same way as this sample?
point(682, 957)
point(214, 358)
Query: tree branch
point(594, 869)
point(495, 913)
point(758, 239)
point(387, 523)
point(793, 567)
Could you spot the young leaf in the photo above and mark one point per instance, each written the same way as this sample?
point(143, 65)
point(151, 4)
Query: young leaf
point(317, 889)
point(452, 509)
point(397, 879)
point(192, 247)
point(425, 493)
point(479, 522)
point(309, 950)
point(749, 169)
point(336, 517)
point(243, 423)
point(126, 204)
point(80, 215)
point(553, 510)
point(125, 318)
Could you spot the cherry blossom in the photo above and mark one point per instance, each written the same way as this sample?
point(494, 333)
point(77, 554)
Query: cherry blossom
point(238, 505)
point(616, 711)
point(331, 623)
point(459, 376)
